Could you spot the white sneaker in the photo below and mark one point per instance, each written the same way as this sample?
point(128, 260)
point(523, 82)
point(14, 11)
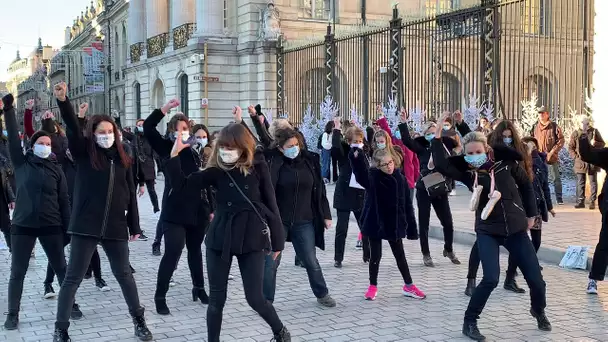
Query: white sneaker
point(453, 192)
point(475, 197)
point(494, 198)
point(592, 287)
point(172, 282)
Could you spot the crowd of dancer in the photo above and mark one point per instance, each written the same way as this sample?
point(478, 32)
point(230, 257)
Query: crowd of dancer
point(245, 195)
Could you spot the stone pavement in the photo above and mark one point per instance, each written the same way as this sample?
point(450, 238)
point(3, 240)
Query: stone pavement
point(575, 315)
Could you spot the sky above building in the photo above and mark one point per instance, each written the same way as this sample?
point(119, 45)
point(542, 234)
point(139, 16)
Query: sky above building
point(23, 21)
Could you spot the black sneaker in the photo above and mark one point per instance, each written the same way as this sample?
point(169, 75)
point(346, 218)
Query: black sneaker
point(76, 313)
point(560, 201)
point(61, 335)
point(579, 206)
point(101, 285)
point(89, 274)
point(142, 237)
point(141, 329)
point(156, 249)
point(592, 206)
point(282, 336)
point(161, 306)
point(470, 287)
point(471, 331)
point(12, 321)
point(49, 292)
point(541, 320)
point(338, 264)
point(511, 285)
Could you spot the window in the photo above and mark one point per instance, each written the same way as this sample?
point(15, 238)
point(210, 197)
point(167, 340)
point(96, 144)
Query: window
point(318, 9)
point(183, 93)
point(536, 17)
point(434, 7)
point(137, 93)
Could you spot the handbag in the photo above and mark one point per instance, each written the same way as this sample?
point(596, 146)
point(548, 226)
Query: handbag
point(266, 230)
point(436, 184)
point(575, 257)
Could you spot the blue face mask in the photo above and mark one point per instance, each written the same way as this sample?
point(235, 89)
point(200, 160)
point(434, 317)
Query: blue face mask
point(507, 141)
point(292, 152)
point(429, 137)
point(446, 127)
point(476, 160)
point(5, 133)
point(381, 146)
point(398, 134)
point(139, 129)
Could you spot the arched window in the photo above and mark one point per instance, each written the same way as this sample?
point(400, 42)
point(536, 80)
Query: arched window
point(183, 93)
point(137, 96)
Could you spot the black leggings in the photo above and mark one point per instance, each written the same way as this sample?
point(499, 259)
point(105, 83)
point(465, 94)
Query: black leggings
point(82, 248)
point(176, 237)
point(50, 273)
point(442, 209)
point(375, 246)
point(342, 232)
point(22, 246)
point(474, 260)
point(252, 273)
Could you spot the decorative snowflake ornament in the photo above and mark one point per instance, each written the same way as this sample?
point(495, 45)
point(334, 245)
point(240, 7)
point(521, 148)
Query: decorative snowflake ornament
point(472, 111)
point(355, 118)
point(391, 112)
point(529, 115)
point(416, 119)
point(310, 129)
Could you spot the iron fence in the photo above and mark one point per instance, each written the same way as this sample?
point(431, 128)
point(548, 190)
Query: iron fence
point(499, 53)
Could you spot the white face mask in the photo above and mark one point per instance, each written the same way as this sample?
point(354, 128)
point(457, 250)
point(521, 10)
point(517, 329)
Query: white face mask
point(42, 151)
point(229, 156)
point(104, 140)
point(202, 141)
point(357, 145)
point(185, 135)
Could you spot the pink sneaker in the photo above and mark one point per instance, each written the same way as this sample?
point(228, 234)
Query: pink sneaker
point(371, 292)
point(413, 291)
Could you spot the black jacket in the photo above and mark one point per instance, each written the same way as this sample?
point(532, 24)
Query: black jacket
point(145, 156)
point(105, 202)
point(43, 200)
point(6, 198)
point(597, 157)
point(346, 198)
point(541, 184)
point(183, 205)
point(236, 228)
point(573, 148)
point(517, 202)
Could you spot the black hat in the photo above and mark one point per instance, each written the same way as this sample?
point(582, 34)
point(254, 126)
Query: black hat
point(37, 135)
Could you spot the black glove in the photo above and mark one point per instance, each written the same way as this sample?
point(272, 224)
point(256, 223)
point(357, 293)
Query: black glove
point(8, 101)
point(258, 109)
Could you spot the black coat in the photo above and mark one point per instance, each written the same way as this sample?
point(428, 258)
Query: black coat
point(105, 201)
point(145, 156)
point(320, 205)
point(183, 205)
point(597, 157)
point(541, 184)
point(42, 191)
point(6, 198)
point(346, 198)
point(236, 228)
point(517, 202)
point(388, 213)
point(573, 148)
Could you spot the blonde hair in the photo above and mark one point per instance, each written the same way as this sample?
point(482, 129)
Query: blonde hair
point(234, 136)
point(475, 137)
point(428, 126)
point(354, 132)
point(397, 157)
point(379, 154)
point(279, 123)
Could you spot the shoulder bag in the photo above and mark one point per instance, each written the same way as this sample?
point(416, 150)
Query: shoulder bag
point(436, 184)
point(266, 230)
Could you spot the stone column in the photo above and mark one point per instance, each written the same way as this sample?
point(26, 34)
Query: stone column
point(157, 18)
point(209, 18)
point(136, 22)
point(184, 12)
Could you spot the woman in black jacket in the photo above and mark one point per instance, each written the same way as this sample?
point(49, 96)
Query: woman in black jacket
point(185, 212)
point(348, 195)
point(146, 174)
point(246, 224)
point(104, 210)
point(42, 211)
point(441, 204)
point(503, 199)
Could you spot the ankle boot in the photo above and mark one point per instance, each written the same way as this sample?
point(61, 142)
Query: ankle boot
point(141, 329)
point(511, 285)
point(198, 293)
point(451, 256)
point(541, 320)
point(470, 287)
point(161, 306)
point(282, 336)
point(61, 335)
point(470, 330)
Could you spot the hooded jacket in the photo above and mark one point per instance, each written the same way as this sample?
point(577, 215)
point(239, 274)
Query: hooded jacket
point(411, 164)
point(518, 200)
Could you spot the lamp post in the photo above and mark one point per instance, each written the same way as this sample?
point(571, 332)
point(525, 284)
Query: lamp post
point(107, 7)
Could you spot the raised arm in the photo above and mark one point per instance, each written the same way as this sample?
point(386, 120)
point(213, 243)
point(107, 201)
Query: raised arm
point(360, 170)
point(157, 142)
point(260, 129)
point(277, 231)
point(14, 143)
point(595, 156)
point(407, 140)
point(598, 141)
point(461, 126)
point(175, 175)
point(76, 140)
point(28, 118)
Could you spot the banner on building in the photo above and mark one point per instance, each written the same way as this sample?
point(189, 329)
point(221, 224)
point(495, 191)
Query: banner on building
point(93, 64)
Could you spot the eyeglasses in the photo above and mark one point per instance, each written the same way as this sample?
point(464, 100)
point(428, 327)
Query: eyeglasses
point(386, 164)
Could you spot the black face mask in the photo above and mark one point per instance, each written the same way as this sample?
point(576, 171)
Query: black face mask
point(48, 126)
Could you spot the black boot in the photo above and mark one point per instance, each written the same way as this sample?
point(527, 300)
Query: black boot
point(470, 287)
point(141, 329)
point(282, 336)
point(12, 322)
point(61, 335)
point(156, 248)
point(541, 320)
point(511, 285)
point(198, 293)
point(471, 331)
point(161, 306)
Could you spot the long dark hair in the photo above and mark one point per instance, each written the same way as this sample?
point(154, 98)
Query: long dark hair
point(195, 129)
point(100, 160)
point(172, 125)
point(329, 127)
point(495, 138)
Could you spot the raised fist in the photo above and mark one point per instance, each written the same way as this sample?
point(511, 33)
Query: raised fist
point(237, 113)
point(174, 103)
point(251, 110)
point(403, 116)
point(29, 104)
point(48, 115)
point(82, 110)
point(7, 101)
point(60, 91)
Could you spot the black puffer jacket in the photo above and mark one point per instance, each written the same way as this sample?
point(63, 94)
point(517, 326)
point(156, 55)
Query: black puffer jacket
point(42, 200)
point(105, 202)
point(187, 206)
point(518, 200)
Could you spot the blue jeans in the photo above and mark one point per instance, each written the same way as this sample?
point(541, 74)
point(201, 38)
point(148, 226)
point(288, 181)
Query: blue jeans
point(303, 240)
point(325, 163)
point(524, 256)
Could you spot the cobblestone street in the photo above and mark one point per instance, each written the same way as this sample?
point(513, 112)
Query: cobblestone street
point(575, 315)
